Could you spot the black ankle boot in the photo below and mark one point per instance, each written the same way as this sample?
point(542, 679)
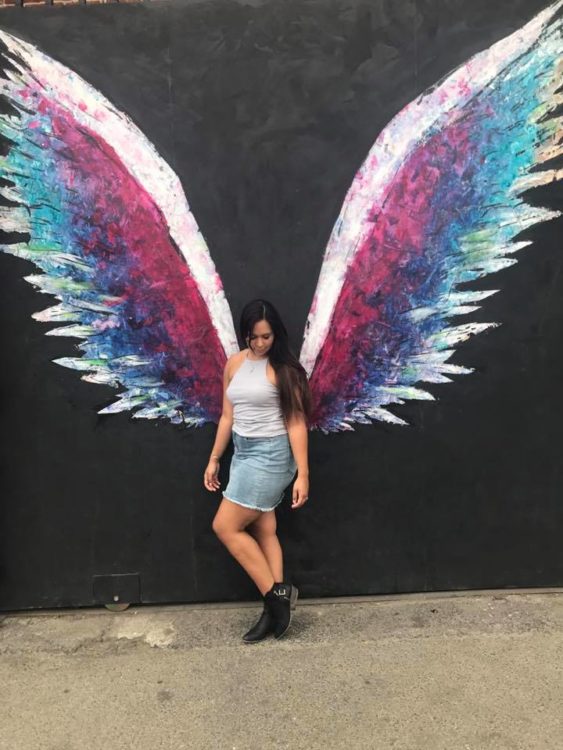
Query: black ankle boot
point(280, 600)
point(262, 629)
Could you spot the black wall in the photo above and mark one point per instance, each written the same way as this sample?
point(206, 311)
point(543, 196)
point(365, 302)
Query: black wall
point(265, 111)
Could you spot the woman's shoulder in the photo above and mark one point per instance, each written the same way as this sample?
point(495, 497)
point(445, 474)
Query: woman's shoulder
point(234, 362)
point(237, 356)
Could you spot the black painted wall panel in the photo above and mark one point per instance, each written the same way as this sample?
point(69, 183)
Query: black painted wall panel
point(265, 111)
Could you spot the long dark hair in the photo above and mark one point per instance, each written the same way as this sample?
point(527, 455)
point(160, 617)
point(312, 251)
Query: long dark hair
point(295, 394)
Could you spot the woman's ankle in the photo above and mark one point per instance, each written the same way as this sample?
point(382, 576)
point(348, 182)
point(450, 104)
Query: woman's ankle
point(263, 593)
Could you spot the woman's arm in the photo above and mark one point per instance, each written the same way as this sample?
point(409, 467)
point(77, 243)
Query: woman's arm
point(298, 439)
point(222, 437)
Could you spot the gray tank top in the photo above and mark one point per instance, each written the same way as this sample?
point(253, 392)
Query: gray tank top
point(256, 401)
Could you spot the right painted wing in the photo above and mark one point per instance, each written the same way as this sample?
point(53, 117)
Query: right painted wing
point(106, 220)
point(437, 203)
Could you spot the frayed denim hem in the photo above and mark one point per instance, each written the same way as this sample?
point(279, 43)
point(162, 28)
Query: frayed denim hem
point(253, 507)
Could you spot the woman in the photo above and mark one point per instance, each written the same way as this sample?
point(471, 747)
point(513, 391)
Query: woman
point(266, 405)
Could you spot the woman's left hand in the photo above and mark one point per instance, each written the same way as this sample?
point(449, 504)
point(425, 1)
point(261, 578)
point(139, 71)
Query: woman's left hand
point(300, 492)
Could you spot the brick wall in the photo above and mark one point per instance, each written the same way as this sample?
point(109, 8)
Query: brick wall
point(32, 3)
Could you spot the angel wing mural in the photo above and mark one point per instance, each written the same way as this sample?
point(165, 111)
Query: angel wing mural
point(437, 203)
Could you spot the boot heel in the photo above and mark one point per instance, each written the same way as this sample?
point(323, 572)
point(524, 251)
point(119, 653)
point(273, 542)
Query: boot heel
point(293, 597)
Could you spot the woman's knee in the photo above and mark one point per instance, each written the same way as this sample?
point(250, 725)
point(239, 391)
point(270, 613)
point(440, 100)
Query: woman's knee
point(224, 526)
point(230, 520)
point(220, 528)
point(265, 526)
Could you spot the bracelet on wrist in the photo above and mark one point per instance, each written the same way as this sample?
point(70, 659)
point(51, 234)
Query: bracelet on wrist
point(213, 455)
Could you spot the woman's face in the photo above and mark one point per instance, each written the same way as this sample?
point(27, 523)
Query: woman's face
point(261, 339)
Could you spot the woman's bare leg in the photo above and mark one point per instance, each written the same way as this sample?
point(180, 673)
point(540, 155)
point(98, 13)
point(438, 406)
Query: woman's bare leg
point(263, 529)
point(229, 524)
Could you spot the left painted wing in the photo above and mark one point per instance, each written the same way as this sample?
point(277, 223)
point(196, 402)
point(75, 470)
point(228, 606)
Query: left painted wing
point(437, 203)
point(106, 220)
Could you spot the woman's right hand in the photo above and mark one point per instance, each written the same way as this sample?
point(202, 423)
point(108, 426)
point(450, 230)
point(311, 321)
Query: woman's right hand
point(211, 476)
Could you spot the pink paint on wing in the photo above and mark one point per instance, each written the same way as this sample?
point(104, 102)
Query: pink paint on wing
point(127, 229)
point(376, 274)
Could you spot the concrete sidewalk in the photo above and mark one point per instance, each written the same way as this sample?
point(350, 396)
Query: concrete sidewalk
point(467, 671)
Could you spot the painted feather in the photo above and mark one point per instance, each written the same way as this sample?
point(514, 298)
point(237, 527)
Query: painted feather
point(437, 203)
point(106, 220)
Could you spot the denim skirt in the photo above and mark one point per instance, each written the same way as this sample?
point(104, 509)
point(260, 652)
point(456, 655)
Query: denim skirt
point(261, 470)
